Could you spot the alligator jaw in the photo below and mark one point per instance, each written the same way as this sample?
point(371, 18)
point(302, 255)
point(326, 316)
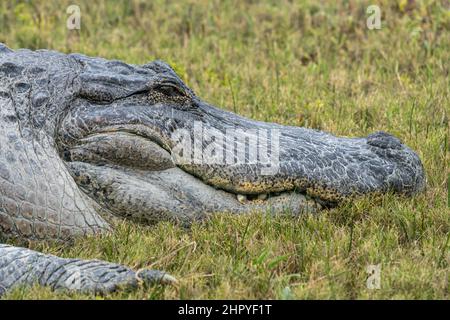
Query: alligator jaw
point(126, 135)
point(122, 153)
point(172, 194)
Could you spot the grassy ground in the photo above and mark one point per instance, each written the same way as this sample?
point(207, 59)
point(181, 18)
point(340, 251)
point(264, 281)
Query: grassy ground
point(299, 63)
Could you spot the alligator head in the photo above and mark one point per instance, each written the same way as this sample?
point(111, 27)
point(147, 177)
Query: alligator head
point(141, 144)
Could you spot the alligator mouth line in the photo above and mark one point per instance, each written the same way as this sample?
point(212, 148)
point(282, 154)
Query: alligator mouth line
point(137, 151)
point(261, 198)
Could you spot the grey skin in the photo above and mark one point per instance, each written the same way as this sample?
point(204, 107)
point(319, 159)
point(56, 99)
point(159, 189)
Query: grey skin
point(85, 141)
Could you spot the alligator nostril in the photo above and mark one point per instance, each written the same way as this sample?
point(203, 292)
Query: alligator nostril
point(383, 140)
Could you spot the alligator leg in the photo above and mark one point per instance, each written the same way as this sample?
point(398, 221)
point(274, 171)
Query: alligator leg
point(40, 200)
point(25, 267)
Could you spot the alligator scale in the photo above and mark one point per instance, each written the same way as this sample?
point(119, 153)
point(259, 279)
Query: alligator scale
point(86, 140)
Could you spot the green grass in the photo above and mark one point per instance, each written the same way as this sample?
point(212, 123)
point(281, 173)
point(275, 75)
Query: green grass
point(298, 63)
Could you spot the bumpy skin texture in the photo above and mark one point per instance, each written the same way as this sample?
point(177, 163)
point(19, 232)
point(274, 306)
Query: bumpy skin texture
point(85, 140)
point(24, 266)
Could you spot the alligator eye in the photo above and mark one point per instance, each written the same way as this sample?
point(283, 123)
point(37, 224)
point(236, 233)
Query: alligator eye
point(170, 90)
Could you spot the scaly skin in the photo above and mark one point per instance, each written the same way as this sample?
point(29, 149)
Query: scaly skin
point(86, 140)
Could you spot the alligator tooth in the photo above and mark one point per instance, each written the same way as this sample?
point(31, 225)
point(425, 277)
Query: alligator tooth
point(241, 198)
point(313, 205)
point(262, 196)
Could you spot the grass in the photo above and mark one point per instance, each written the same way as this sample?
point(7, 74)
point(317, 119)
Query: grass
point(299, 63)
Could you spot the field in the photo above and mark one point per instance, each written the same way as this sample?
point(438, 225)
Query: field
point(294, 62)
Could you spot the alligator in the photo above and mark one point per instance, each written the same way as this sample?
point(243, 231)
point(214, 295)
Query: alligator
point(87, 141)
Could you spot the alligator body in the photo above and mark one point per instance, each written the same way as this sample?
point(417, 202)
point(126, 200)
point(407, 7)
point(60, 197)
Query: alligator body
point(86, 140)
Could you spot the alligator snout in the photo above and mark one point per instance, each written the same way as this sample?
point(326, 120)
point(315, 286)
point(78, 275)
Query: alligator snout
point(408, 175)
